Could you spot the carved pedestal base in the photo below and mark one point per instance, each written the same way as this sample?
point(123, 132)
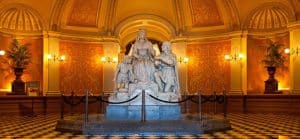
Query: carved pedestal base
point(18, 87)
point(271, 86)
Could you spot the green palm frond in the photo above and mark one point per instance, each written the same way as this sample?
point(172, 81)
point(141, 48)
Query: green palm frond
point(19, 54)
point(274, 57)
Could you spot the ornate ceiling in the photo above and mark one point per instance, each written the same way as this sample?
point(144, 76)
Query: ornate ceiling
point(164, 19)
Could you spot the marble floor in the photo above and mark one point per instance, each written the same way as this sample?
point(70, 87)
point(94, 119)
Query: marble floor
point(243, 126)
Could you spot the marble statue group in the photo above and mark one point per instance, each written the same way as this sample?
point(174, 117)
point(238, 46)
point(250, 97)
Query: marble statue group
point(142, 69)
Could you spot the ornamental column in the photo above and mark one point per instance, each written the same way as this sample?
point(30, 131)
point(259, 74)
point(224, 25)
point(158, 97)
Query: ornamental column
point(51, 66)
point(294, 30)
point(238, 65)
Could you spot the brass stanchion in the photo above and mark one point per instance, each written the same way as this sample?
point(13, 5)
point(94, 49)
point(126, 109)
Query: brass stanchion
point(62, 107)
point(225, 104)
point(199, 105)
point(86, 106)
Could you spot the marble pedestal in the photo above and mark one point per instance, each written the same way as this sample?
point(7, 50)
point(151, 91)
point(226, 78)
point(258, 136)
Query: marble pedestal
point(134, 112)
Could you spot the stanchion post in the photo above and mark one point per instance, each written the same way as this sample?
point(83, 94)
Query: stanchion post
point(62, 103)
point(86, 106)
point(225, 104)
point(185, 103)
point(72, 102)
point(215, 103)
point(199, 105)
point(143, 107)
point(102, 103)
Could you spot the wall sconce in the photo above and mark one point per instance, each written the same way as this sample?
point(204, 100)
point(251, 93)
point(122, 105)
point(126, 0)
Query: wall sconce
point(2, 52)
point(292, 51)
point(183, 60)
point(234, 57)
point(56, 58)
point(107, 59)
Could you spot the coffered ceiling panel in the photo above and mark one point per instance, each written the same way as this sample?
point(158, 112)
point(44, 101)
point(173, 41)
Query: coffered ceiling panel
point(205, 13)
point(84, 13)
point(127, 8)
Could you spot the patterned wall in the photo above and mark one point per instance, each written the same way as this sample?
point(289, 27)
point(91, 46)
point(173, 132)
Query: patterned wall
point(207, 69)
point(82, 68)
point(84, 13)
point(6, 73)
point(34, 71)
point(205, 13)
point(256, 71)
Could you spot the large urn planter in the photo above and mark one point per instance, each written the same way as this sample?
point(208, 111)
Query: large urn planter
point(18, 86)
point(271, 85)
point(19, 57)
point(273, 59)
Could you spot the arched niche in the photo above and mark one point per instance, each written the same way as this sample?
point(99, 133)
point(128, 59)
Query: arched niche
point(158, 29)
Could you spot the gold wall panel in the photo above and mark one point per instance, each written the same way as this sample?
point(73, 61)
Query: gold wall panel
point(256, 71)
point(205, 13)
point(82, 69)
point(207, 69)
point(84, 13)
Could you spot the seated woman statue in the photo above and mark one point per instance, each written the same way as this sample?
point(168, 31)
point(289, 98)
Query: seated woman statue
point(166, 75)
point(143, 54)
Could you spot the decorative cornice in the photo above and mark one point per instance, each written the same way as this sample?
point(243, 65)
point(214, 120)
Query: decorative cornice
point(211, 37)
point(80, 37)
point(294, 25)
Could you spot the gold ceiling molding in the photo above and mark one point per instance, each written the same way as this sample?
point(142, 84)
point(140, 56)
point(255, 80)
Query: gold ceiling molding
point(210, 38)
point(206, 17)
point(81, 37)
point(20, 19)
point(79, 16)
point(271, 17)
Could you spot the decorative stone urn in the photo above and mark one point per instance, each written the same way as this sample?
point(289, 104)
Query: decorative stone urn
point(18, 86)
point(271, 85)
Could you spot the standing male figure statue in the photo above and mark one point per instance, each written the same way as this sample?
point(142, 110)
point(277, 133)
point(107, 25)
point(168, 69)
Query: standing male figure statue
point(166, 75)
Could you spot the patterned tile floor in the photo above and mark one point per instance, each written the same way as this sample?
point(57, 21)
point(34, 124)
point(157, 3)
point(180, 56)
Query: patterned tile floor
point(281, 126)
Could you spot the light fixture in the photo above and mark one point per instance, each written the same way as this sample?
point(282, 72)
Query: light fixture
point(234, 57)
point(2, 52)
point(56, 58)
point(107, 59)
point(183, 60)
point(292, 51)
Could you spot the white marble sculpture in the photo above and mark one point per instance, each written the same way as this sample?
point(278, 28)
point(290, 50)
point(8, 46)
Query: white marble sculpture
point(124, 75)
point(157, 75)
point(166, 75)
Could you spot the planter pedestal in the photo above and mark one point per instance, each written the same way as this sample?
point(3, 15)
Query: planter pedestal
point(271, 85)
point(18, 86)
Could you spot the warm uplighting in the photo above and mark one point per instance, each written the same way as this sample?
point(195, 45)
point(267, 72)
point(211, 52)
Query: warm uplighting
point(282, 87)
point(183, 60)
point(56, 58)
point(234, 57)
point(292, 51)
point(107, 59)
point(2, 52)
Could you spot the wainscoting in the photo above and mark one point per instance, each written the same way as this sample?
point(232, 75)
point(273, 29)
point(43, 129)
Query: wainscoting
point(235, 104)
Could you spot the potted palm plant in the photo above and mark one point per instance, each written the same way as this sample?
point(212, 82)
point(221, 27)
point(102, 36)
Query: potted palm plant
point(19, 57)
point(273, 59)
